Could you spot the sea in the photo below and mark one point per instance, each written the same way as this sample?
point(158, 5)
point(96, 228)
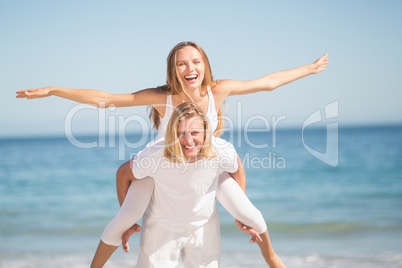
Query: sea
point(329, 200)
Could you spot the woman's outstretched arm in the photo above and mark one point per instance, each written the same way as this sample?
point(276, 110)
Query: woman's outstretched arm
point(97, 98)
point(268, 82)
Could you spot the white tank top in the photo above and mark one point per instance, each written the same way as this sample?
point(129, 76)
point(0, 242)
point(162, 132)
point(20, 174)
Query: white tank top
point(211, 114)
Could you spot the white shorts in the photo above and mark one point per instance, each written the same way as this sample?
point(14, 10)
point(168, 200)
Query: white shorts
point(198, 247)
point(228, 193)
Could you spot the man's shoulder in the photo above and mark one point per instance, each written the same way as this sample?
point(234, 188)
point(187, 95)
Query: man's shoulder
point(145, 163)
point(226, 154)
point(222, 146)
point(219, 143)
point(153, 149)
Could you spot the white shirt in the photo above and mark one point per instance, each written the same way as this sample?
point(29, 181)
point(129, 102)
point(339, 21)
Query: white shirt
point(211, 114)
point(184, 195)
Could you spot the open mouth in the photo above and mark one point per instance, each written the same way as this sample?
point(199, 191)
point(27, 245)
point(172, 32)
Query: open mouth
point(192, 77)
point(189, 147)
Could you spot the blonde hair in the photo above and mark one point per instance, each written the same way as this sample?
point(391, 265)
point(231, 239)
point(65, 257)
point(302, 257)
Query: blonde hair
point(173, 151)
point(173, 85)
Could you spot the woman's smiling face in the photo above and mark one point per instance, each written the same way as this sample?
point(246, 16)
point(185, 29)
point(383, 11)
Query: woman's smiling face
point(190, 67)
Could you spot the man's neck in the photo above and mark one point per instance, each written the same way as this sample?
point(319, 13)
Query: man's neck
point(194, 159)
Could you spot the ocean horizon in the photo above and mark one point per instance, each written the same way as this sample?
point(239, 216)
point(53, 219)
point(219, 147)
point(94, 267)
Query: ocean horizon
point(57, 195)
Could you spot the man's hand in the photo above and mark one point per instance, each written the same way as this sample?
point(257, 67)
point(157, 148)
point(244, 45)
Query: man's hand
point(250, 231)
point(126, 236)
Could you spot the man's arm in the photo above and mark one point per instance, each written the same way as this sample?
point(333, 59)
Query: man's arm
point(240, 175)
point(124, 176)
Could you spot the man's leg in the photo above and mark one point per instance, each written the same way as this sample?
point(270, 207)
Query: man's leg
point(268, 253)
point(203, 248)
point(102, 254)
point(130, 212)
point(159, 247)
point(233, 199)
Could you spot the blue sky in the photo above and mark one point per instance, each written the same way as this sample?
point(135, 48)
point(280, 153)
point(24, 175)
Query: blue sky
point(121, 46)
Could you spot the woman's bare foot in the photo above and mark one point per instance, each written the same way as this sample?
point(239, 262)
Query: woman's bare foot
point(250, 231)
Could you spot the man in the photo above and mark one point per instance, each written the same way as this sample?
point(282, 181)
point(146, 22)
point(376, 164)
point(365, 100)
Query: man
point(182, 219)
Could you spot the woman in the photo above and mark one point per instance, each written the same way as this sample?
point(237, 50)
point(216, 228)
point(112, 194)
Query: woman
point(189, 79)
point(189, 76)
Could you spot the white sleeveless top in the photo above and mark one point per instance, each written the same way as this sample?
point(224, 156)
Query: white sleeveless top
point(211, 114)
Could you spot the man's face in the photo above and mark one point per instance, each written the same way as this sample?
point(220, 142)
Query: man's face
point(191, 135)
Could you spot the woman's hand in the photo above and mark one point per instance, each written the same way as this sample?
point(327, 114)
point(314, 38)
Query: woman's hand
point(97, 98)
point(321, 64)
point(35, 93)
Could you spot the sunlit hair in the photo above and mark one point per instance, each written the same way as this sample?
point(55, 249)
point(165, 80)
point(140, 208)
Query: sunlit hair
point(173, 151)
point(173, 85)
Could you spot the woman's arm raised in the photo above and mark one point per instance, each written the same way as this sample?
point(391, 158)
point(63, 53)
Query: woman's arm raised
point(96, 97)
point(270, 81)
